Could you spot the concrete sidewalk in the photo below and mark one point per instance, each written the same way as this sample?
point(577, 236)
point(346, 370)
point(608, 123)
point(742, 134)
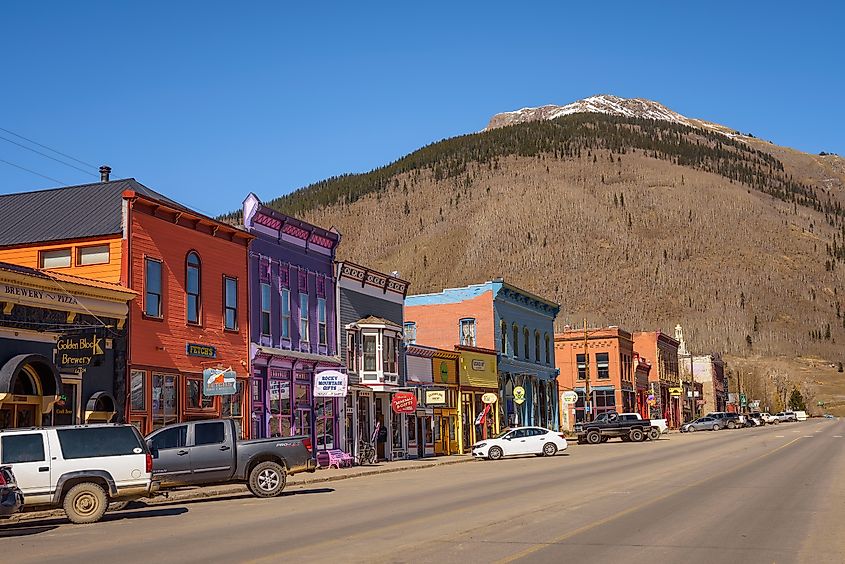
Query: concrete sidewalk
point(231, 490)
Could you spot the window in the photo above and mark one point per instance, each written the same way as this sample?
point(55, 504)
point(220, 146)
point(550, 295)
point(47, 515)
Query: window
point(303, 318)
point(152, 287)
point(98, 254)
point(515, 340)
point(410, 330)
point(536, 346)
point(503, 329)
point(602, 365)
point(232, 406)
point(195, 398)
point(265, 309)
point(526, 344)
point(369, 353)
point(138, 390)
point(321, 321)
point(99, 441)
point(165, 400)
point(280, 409)
point(230, 300)
point(325, 423)
point(467, 335)
point(59, 258)
point(388, 353)
point(192, 285)
point(285, 313)
point(174, 437)
point(209, 433)
point(23, 448)
point(548, 350)
point(352, 351)
point(581, 359)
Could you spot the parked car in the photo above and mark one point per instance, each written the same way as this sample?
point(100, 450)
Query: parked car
point(829, 416)
point(755, 419)
point(703, 424)
point(519, 441)
point(786, 417)
point(80, 468)
point(731, 420)
point(208, 452)
point(610, 425)
point(769, 419)
point(11, 498)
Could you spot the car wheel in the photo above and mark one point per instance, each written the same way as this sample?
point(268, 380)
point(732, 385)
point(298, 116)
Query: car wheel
point(690, 429)
point(636, 435)
point(549, 449)
point(594, 437)
point(776, 421)
point(495, 453)
point(85, 503)
point(654, 434)
point(267, 479)
point(715, 427)
point(731, 425)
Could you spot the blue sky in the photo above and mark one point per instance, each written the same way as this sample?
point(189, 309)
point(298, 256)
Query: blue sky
point(207, 101)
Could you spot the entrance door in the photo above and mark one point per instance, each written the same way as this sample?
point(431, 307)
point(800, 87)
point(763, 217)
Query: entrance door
point(380, 444)
point(64, 410)
point(467, 421)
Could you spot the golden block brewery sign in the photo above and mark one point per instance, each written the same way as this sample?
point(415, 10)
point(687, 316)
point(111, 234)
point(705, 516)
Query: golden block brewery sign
point(77, 351)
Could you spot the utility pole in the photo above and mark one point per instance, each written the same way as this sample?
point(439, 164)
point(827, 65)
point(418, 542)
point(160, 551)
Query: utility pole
point(588, 398)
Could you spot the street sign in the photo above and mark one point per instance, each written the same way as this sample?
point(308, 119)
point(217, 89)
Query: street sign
point(569, 397)
point(743, 400)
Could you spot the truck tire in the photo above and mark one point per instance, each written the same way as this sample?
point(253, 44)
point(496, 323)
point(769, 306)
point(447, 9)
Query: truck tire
point(653, 434)
point(267, 479)
point(636, 435)
point(593, 437)
point(85, 503)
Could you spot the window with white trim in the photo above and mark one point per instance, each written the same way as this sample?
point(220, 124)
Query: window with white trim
point(467, 335)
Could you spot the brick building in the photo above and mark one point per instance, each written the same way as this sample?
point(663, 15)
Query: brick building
point(661, 350)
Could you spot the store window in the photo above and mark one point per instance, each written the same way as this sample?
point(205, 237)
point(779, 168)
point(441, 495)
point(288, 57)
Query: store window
point(58, 258)
point(165, 400)
point(467, 335)
point(604, 400)
point(195, 400)
point(581, 360)
point(230, 301)
point(138, 391)
point(231, 406)
point(285, 313)
point(192, 286)
point(325, 423)
point(265, 309)
point(321, 321)
point(304, 325)
point(152, 287)
point(602, 366)
point(281, 417)
point(97, 254)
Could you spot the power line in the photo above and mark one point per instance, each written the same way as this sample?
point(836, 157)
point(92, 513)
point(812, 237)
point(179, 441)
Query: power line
point(36, 151)
point(33, 172)
point(18, 135)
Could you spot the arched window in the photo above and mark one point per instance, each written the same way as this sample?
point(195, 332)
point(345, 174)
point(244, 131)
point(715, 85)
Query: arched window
point(537, 346)
point(548, 350)
point(193, 284)
point(515, 340)
point(526, 343)
point(503, 329)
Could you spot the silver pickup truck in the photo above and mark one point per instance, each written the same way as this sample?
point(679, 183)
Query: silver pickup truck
point(200, 453)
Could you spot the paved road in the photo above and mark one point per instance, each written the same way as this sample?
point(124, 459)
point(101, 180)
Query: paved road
point(774, 494)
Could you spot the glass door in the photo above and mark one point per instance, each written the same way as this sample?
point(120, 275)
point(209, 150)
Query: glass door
point(65, 410)
point(165, 400)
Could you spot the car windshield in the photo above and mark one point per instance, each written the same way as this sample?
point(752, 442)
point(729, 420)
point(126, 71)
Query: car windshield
point(503, 433)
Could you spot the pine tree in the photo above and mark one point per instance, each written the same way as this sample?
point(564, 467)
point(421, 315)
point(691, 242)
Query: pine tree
point(796, 401)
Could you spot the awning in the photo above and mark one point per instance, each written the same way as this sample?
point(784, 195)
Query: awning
point(47, 372)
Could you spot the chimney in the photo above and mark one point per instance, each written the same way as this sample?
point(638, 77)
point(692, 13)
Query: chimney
point(105, 170)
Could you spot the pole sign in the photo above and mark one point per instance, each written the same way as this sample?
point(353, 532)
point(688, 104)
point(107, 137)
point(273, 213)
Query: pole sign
point(743, 400)
point(219, 382)
point(569, 397)
point(489, 398)
point(77, 351)
point(519, 395)
point(330, 384)
point(404, 402)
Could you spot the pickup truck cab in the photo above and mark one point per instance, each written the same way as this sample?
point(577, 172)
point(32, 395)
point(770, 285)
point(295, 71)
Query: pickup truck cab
point(200, 453)
point(80, 468)
point(609, 425)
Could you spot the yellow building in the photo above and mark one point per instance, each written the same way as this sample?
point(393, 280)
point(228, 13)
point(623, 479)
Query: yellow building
point(447, 434)
point(478, 387)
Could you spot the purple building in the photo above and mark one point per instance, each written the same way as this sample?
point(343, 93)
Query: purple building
point(293, 324)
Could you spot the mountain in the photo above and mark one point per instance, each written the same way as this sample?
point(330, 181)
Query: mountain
point(635, 220)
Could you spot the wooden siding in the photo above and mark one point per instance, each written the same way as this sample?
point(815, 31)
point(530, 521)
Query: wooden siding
point(161, 342)
point(29, 255)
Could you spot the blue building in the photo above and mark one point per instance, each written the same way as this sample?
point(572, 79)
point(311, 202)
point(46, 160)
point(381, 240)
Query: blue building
point(515, 323)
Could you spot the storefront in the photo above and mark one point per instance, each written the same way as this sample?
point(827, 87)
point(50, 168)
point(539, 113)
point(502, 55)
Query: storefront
point(478, 389)
point(62, 348)
point(443, 397)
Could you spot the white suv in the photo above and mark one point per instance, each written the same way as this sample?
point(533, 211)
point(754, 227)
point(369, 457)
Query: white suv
point(79, 468)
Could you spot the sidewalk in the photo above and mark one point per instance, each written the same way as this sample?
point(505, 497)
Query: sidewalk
point(233, 490)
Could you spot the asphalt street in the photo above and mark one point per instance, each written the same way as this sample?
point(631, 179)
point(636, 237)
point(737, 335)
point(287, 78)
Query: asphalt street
point(767, 495)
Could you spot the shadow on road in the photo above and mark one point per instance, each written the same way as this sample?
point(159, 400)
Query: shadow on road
point(24, 530)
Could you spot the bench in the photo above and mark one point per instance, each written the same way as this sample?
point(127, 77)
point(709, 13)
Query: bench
point(334, 457)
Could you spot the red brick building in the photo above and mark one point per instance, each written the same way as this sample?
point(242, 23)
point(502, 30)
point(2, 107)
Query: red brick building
point(661, 351)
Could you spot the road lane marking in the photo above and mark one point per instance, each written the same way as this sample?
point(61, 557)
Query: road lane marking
point(780, 436)
point(837, 436)
point(536, 547)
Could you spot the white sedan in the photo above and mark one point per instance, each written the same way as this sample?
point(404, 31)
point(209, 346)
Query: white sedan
point(518, 441)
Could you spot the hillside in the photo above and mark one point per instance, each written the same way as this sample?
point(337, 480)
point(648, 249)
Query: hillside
point(624, 220)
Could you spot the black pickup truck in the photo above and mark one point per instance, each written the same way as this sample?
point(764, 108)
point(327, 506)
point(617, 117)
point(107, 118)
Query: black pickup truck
point(609, 425)
point(200, 453)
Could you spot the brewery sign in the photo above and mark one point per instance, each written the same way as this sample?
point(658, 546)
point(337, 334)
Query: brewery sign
point(77, 351)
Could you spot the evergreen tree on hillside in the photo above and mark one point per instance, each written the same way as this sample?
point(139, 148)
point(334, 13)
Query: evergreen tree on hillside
point(796, 401)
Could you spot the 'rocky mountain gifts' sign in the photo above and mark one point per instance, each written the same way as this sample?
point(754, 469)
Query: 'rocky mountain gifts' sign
point(77, 351)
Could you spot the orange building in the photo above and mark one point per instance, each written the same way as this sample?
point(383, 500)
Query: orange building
point(664, 379)
point(606, 357)
point(189, 270)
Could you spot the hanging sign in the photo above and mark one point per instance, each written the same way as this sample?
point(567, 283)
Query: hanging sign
point(569, 397)
point(330, 384)
point(435, 397)
point(489, 397)
point(219, 382)
point(76, 351)
point(676, 391)
point(404, 402)
point(519, 395)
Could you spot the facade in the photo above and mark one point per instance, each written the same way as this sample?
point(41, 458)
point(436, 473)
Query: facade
point(293, 325)
point(665, 386)
point(606, 356)
point(189, 270)
point(371, 309)
point(709, 371)
point(642, 369)
point(62, 348)
point(419, 377)
point(478, 381)
point(494, 315)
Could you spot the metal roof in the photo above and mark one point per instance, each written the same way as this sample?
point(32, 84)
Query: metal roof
point(72, 212)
